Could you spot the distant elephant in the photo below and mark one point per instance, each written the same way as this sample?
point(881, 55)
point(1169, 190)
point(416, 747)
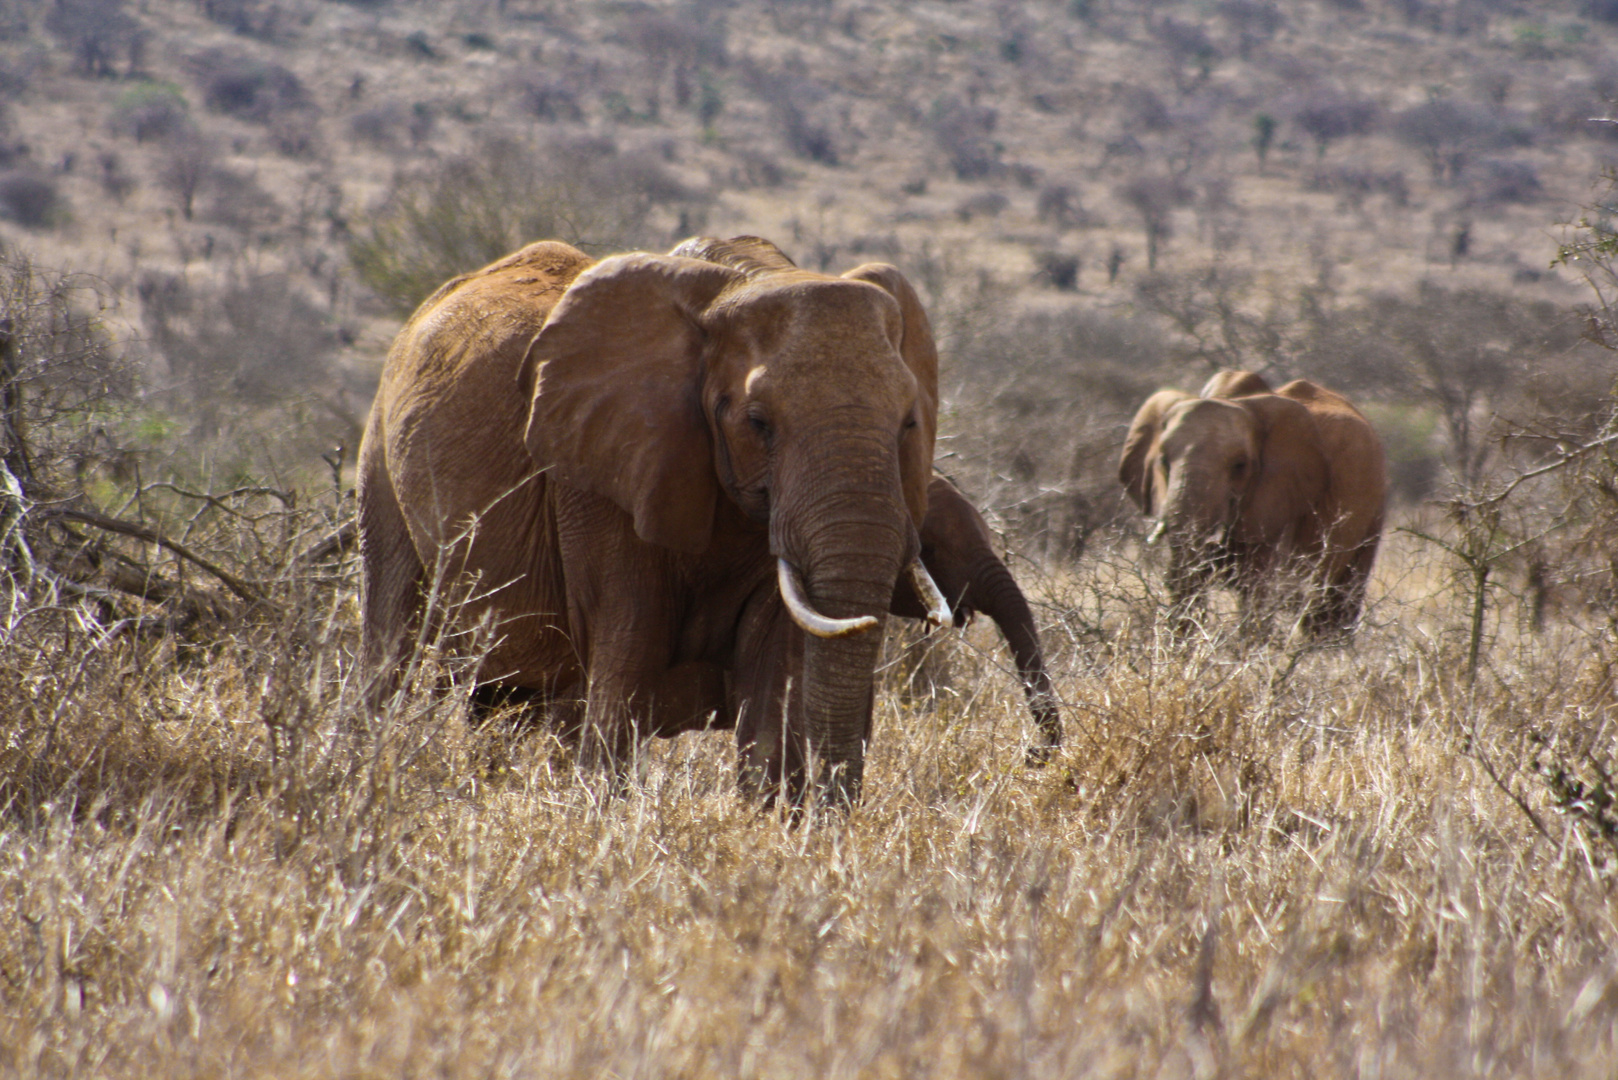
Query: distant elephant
point(1249, 485)
point(677, 481)
point(958, 550)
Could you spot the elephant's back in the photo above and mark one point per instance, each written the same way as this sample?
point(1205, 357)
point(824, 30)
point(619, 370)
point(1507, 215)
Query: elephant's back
point(450, 412)
point(1359, 471)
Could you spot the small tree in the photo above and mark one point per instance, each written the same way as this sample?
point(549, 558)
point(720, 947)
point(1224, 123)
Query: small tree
point(1327, 116)
point(186, 167)
point(98, 32)
point(1154, 198)
point(1447, 133)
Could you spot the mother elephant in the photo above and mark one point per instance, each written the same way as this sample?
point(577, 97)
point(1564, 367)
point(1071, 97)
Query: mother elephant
point(1249, 484)
point(678, 482)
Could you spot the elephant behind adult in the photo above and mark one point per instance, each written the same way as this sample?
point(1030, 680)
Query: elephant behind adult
point(1251, 486)
point(958, 550)
point(659, 471)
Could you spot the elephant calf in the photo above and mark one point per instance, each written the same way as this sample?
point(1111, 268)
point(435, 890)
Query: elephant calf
point(1249, 484)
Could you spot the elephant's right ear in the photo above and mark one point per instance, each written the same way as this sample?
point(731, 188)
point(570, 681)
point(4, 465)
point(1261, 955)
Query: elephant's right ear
point(616, 373)
point(1134, 468)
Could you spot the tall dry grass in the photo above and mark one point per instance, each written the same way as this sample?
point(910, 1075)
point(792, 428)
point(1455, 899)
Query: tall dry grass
point(1246, 861)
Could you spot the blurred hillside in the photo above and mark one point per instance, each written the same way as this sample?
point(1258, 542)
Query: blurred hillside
point(1094, 196)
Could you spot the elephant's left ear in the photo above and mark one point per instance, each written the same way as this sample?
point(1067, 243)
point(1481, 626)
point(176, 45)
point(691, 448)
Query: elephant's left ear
point(1289, 495)
point(920, 354)
point(615, 375)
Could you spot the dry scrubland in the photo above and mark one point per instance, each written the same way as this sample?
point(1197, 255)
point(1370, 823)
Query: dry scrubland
point(1260, 864)
point(1390, 858)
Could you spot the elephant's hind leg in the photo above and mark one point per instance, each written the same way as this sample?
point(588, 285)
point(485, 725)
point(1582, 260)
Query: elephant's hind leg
point(391, 605)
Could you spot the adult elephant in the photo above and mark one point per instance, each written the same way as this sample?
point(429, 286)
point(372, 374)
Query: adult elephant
point(676, 481)
point(1250, 486)
point(958, 551)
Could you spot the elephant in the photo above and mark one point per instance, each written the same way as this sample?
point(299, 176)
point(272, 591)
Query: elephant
point(958, 551)
point(664, 484)
point(1251, 486)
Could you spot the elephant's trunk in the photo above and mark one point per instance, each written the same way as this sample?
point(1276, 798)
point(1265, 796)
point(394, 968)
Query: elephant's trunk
point(850, 543)
point(996, 594)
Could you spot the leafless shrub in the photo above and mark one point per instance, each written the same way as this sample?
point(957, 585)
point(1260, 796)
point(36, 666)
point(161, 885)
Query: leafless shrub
point(257, 339)
point(1254, 22)
point(1448, 133)
point(114, 180)
point(1354, 183)
point(753, 168)
point(97, 31)
point(1505, 181)
point(1143, 110)
point(64, 379)
point(150, 110)
point(1460, 352)
point(1057, 204)
point(237, 200)
point(296, 135)
point(267, 20)
point(1057, 269)
point(186, 167)
point(380, 125)
point(981, 204)
point(31, 199)
point(247, 87)
point(1155, 198)
point(1189, 45)
point(1328, 115)
point(964, 133)
point(793, 98)
point(547, 98)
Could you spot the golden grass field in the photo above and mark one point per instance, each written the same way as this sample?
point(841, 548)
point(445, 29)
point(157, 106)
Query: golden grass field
point(1248, 860)
point(1244, 862)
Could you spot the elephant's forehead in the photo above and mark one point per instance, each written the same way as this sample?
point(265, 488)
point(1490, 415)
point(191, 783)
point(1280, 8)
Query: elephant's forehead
point(1207, 421)
point(810, 314)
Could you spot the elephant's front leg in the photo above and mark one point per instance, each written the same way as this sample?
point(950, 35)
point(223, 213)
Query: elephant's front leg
point(764, 700)
point(621, 615)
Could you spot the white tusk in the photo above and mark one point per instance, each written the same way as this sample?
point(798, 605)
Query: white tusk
point(806, 616)
point(1157, 531)
point(938, 613)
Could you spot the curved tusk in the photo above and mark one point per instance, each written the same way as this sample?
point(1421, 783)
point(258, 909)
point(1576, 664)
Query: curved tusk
point(806, 616)
point(938, 612)
point(1157, 531)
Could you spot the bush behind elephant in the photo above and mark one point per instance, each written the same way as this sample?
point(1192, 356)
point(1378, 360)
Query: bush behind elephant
point(1255, 487)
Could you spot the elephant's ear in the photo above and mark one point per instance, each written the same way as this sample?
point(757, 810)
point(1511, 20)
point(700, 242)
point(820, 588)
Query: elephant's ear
point(616, 373)
point(920, 355)
point(1134, 466)
point(1294, 476)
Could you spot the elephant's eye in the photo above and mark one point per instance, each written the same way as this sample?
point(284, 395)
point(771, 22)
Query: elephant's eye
point(1239, 469)
point(910, 422)
point(761, 427)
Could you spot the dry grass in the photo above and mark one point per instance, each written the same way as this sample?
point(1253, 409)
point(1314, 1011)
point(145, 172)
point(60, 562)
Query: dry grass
point(1267, 864)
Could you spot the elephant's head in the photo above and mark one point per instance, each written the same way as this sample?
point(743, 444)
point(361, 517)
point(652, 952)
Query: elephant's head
point(723, 372)
point(1225, 475)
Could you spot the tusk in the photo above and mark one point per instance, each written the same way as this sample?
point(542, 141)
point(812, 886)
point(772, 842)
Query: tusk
point(1157, 531)
point(938, 612)
point(806, 616)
